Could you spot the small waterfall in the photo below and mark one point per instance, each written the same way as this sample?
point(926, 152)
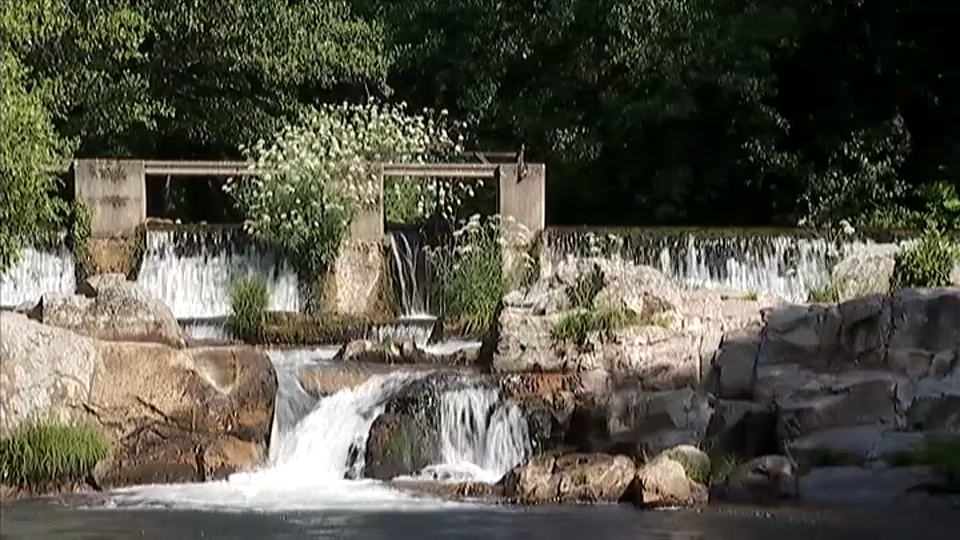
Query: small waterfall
point(38, 272)
point(409, 260)
point(481, 437)
point(192, 271)
point(292, 403)
point(328, 443)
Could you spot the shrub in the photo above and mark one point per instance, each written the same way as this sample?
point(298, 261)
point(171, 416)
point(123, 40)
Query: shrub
point(40, 455)
point(30, 212)
point(586, 288)
point(318, 173)
point(249, 299)
point(577, 325)
point(468, 280)
point(928, 263)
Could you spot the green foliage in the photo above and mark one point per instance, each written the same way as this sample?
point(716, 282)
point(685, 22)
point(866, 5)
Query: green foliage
point(577, 325)
point(587, 286)
point(468, 280)
point(29, 208)
point(928, 263)
point(319, 173)
point(39, 455)
point(304, 329)
point(940, 452)
point(249, 299)
point(824, 294)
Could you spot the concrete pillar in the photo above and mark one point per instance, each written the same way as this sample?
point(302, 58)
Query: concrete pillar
point(367, 225)
point(115, 192)
point(524, 200)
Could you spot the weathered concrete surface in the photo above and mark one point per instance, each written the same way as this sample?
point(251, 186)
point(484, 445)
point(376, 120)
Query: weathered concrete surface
point(114, 191)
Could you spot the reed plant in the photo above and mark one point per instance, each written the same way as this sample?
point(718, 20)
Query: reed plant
point(43, 454)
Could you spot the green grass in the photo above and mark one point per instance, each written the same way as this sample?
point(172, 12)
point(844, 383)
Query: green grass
point(576, 326)
point(249, 300)
point(941, 453)
point(824, 294)
point(40, 455)
point(585, 289)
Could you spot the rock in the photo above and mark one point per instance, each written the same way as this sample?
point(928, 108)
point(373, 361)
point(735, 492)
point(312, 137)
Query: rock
point(44, 371)
point(671, 345)
point(637, 423)
point(874, 486)
point(735, 363)
point(864, 272)
point(322, 380)
point(853, 445)
point(743, 428)
point(663, 482)
point(763, 480)
point(454, 491)
point(569, 478)
point(181, 415)
point(113, 309)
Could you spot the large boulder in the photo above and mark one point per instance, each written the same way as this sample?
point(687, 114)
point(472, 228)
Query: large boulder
point(550, 478)
point(673, 478)
point(172, 415)
point(44, 371)
point(181, 415)
point(111, 308)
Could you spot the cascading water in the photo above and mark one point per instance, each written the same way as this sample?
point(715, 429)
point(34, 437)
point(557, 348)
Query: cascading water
point(778, 264)
point(481, 437)
point(309, 466)
point(192, 271)
point(409, 261)
point(38, 272)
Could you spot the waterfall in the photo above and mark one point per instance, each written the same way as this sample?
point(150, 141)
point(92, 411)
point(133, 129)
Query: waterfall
point(192, 271)
point(481, 437)
point(775, 263)
point(409, 261)
point(38, 272)
point(312, 462)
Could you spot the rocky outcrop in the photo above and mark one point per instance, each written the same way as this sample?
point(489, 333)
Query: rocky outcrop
point(868, 270)
point(181, 415)
point(172, 415)
point(636, 423)
point(850, 382)
point(582, 478)
point(111, 308)
point(670, 338)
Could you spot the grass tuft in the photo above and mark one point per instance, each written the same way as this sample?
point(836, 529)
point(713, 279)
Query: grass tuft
point(39, 455)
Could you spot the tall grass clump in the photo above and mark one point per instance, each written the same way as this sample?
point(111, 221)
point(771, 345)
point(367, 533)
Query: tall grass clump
point(928, 263)
point(249, 300)
point(40, 455)
point(468, 277)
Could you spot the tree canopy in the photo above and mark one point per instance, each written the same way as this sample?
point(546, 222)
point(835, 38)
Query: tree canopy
point(705, 112)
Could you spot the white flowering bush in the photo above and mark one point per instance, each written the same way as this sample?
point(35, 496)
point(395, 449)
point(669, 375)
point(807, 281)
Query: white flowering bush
point(414, 200)
point(468, 279)
point(318, 173)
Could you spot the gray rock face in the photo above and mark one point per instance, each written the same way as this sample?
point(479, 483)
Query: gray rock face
point(113, 309)
point(857, 485)
point(44, 370)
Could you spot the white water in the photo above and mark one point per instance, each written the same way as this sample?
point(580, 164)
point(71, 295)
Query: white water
point(38, 272)
point(779, 265)
point(481, 437)
point(408, 261)
point(309, 464)
point(195, 282)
